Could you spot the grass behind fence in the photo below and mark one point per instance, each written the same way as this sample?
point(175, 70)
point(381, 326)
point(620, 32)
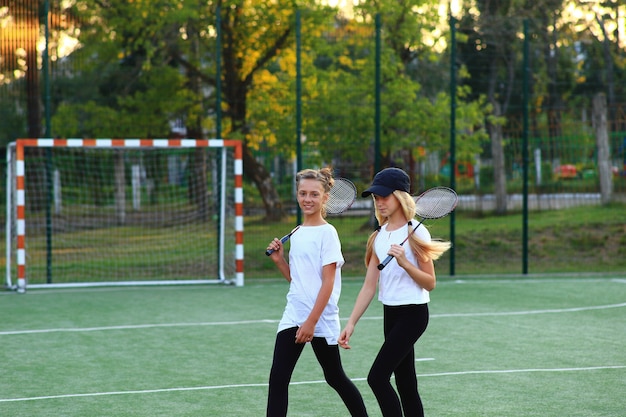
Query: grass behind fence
point(494, 347)
point(580, 239)
point(575, 240)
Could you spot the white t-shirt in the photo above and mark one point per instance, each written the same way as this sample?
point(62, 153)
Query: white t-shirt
point(395, 286)
point(313, 247)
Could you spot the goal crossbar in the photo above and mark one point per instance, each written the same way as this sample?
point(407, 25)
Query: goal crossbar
point(19, 185)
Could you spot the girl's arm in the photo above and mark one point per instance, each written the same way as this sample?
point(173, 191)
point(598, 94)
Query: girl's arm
point(306, 330)
point(279, 259)
point(363, 300)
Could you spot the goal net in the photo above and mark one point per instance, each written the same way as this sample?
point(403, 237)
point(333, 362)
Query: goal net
point(123, 212)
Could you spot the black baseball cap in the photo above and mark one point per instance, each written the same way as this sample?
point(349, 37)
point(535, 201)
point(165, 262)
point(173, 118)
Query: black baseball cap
point(387, 181)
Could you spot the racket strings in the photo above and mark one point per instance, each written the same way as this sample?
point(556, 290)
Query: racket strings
point(436, 203)
point(342, 195)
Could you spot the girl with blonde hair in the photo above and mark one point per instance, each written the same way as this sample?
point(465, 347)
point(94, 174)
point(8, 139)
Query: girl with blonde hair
point(404, 287)
point(311, 314)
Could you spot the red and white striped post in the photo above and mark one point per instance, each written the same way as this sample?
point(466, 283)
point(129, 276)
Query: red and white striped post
point(124, 143)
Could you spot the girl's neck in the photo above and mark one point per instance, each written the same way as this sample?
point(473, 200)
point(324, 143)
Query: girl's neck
point(313, 221)
point(396, 222)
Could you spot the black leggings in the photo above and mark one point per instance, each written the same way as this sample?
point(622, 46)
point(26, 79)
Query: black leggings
point(286, 354)
point(403, 326)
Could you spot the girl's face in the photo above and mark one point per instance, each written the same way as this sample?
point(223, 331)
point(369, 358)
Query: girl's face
point(311, 196)
point(386, 206)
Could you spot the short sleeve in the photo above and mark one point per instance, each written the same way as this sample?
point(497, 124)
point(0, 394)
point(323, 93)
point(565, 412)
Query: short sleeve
point(423, 233)
point(331, 247)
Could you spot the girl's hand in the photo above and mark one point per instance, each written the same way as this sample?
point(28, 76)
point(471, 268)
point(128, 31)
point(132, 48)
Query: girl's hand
point(397, 252)
point(344, 337)
point(277, 247)
point(305, 332)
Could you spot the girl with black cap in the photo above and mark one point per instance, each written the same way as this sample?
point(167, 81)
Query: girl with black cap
point(403, 288)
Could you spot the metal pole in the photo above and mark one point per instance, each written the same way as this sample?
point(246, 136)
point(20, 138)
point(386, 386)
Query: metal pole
point(218, 74)
point(10, 192)
point(46, 69)
point(452, 133)
point(377, 131)
point(298, 103)
point(525, 153)
point(48, 134)
point(220, 170)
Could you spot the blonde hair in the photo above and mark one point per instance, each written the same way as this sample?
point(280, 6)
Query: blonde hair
point(424, 251)
point(323, 175)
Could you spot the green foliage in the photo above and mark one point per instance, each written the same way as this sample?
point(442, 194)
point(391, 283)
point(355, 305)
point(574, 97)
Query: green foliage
point(88, 120)
point(138, 90)
point(13, 124)
point(142, 65)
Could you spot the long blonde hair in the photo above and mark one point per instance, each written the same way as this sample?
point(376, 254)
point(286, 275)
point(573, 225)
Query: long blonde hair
point(323, 175)
point(424, 251)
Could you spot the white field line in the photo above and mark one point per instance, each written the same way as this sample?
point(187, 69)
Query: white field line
point(529, 312)
point(137, 326)
point(466, 280)
point(263, 385)
point(272, 321)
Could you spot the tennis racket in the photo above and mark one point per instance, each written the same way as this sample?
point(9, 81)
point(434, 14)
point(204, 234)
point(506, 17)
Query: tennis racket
point(434, 203)
point(341, 197)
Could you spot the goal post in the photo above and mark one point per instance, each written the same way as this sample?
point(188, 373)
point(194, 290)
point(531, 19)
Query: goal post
point(84, 212)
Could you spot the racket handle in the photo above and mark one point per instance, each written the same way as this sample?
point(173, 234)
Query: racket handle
point(385, 262)
point(282, 239)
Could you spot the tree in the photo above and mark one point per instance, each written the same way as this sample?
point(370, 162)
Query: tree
point(144, 53)
point(602, 67)
point(489, 54)
point(494, 48)
point(20, 74)
point(137, 91)
point(182, 35)
point(415, 68)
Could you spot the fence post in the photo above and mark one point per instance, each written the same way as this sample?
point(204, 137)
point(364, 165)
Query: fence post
point(298, 104)
point(526, 101)
point(453, 86)
point(377, 87)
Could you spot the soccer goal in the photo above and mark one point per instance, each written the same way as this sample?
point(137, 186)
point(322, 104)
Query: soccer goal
point(87, 212)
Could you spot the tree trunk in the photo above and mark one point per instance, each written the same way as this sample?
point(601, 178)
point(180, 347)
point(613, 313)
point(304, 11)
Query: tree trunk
point(252, 169)
point(499, 172)
point(256, 172)
point(495, 136)
point(237, 83)
point(610, 78)
point(602, 140)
